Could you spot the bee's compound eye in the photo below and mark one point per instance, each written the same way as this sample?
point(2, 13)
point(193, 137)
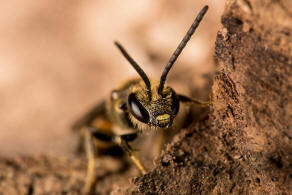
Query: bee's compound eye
point(137, 109)
point(175, 103)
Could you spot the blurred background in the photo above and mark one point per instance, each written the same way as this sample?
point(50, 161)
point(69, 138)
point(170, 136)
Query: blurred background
point(57, 60)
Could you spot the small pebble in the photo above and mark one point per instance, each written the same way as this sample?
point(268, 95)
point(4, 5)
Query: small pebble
point(166, 159)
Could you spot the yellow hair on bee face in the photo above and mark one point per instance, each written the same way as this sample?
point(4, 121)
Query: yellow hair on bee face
point(143, 127)
point(141, 93)
point(163, 119)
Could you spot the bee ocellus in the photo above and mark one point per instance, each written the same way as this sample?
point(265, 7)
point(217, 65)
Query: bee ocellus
point(137, 105)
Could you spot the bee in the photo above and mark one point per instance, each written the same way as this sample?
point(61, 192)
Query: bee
point(137, 105)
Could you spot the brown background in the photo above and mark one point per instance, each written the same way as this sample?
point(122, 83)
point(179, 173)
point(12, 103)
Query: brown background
point(57, 59)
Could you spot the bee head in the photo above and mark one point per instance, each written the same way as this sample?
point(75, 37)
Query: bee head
point(159, 112)
point(157, 104)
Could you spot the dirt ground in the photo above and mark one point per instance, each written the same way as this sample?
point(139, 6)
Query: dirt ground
point(244, 144)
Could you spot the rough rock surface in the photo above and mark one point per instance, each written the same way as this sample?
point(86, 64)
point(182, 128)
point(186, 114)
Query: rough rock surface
point(245, 147)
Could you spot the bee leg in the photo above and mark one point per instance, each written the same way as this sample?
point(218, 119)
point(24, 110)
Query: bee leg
point(91, 152)
point(126, 147)
point(188, 100)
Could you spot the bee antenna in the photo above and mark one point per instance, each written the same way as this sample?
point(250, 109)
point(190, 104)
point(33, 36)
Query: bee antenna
point(137, 68)
point(181, 47)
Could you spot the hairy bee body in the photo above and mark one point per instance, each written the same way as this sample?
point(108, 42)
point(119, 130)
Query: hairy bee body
point(138, 105)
